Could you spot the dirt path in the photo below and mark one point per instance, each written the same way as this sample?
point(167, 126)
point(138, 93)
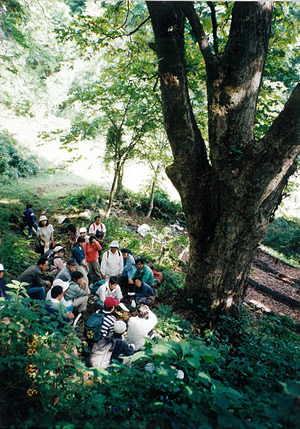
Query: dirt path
point(283, 279)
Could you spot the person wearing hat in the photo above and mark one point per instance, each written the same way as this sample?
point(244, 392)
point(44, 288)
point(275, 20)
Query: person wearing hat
point(57, 264)
point(55, 305)
point(78, 291)
point(83, 233)
point(33, 276)
point(109, 320)
point(65, 286)
point(45, 235)
point(109, 288)
point(118, 347)
point(65, 273)
point(112, 261)
point(3, 287)
point(129, 267)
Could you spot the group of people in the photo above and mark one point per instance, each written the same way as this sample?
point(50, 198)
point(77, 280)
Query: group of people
point(106, 274)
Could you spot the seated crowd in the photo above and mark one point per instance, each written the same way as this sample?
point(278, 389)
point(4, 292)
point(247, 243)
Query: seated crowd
point(104, 276)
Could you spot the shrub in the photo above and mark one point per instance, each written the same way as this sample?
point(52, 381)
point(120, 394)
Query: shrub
point(284, 236)
point(90, 196)
point(16, 162)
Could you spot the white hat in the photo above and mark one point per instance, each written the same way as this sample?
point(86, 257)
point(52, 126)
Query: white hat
point(120, 327)
point(2, 268)
point(60, 282)
point(114, 244)
point(83, 229)
point(58, 249)
point(43, 217)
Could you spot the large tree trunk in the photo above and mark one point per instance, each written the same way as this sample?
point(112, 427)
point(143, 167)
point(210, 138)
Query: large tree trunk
point(228, 198)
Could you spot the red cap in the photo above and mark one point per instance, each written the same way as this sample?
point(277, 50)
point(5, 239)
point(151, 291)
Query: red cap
point(111, 302)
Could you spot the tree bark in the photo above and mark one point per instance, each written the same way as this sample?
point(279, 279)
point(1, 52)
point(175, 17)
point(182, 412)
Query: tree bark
point(229, 196)
point(113, 190)
point(148, 215)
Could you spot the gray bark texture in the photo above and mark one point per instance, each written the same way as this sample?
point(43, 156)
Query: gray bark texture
point(229, 196)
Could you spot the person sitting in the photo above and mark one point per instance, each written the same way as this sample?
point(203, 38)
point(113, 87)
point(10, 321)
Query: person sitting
point(66, 272)
point(144, 271)
point(45, 235)
point(78, 291)
point(57, 263)
point(109, 288)
point(92, 249)
point(139, 327)
point(65, 286)
point(98, 229)
point(3, 288)
point(100, 358)
point(129, 267)
point(54, 304)
point(142, 292)
point(109, 320)
point(78, 254)
point(112, 262)
point(33, 276)
point(83, 233)
point(30, 220)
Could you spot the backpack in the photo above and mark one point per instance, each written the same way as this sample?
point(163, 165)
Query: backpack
point(93, 327)
point(101, 353)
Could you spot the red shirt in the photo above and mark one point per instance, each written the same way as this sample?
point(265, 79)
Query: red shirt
point(92, 251)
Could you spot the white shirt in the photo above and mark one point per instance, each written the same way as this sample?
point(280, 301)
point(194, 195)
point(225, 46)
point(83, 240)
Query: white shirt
point(112, 263)
point(104, 292)
point(139, 328)
point(93, 228)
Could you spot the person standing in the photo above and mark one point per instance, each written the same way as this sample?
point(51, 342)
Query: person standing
point(98, 229)
point(30, 220)
point(92, 249)
point(129, 267)
point(78, 254)
point(112, 262)
point(45, 235)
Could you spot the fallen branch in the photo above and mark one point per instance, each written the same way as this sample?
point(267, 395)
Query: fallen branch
point(265, 267)
point(276, 295)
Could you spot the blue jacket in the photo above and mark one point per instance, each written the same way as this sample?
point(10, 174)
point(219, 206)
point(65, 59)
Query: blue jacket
point(144, 290)
point(129, 266)
point(78, 254)
point(29, 217)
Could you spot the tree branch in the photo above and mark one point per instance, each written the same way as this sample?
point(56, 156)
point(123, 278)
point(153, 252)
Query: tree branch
point(189, 11)
point(278, 149)
point(138, 27)
point(214, 25)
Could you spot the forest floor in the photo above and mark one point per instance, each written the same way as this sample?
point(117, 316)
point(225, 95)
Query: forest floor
point(279, 277)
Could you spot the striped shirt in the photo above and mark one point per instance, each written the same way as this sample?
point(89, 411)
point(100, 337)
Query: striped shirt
point(108, 324)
